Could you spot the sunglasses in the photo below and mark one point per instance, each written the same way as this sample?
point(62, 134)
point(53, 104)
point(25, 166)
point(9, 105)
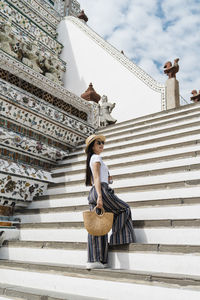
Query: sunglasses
point(100, 142)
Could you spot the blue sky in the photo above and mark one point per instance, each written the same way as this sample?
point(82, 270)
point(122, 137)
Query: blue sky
point(151, 32)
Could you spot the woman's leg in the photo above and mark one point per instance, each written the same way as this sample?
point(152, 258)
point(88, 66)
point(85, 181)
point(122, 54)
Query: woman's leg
point(122, 230)
point(97, 245)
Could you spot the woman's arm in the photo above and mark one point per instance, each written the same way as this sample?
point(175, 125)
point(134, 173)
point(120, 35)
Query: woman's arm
point(97, 183)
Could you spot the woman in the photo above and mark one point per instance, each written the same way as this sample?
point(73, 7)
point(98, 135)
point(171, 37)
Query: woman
point(101, 195)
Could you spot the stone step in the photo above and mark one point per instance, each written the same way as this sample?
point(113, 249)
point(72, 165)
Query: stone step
point(131, 166)
point(73, 214)
point(183, 165)
point(10, 291)
point(127, 194)
point(123, 137)
point(184, 111)
point(121, 129)
point(178, 180)
point(112, 155)
point(77, 280)
point(181, 259)
point(176, 231)
point(159, 129)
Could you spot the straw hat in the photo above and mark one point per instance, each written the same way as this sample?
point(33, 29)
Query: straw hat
point(92, 138)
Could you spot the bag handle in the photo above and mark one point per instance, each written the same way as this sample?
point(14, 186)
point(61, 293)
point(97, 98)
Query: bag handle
point(102, 210)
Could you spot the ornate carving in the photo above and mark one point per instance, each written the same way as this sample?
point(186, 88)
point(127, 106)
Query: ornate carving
point(72, 8)
point(21, 143)
point(20, 188)
point(53, 70)
point(7, 40)
point(46, 127)
point(5, 211)
point(196, 96)
point(39, 13)
point(170, 70)
point(91, 95)
point(24, 159)
point(137, 71)
point(24, 170)
point(105, 111)
point(31, 29)
point(31, 56)
point(82, 16)
point(38, 82)
point(39, 106)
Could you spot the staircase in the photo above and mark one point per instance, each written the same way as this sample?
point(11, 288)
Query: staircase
point(155, 164)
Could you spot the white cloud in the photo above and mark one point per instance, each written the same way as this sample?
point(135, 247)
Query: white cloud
point(151, 32)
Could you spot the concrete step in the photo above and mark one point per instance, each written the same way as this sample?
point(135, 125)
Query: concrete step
point(135, 150)
point(10, 291)
point(181, 259)
point(128, 194)
point(178, 180)
point(163, 210)
point(143, 169)
point(159, 129)
point(165, 121)
point(176, 231)
point(184, 111)
point(75, 279)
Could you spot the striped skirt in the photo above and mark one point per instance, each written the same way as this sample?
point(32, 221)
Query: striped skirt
point(122, 229)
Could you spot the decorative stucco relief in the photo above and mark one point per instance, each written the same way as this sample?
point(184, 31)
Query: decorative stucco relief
point(46, 127)
point(24, 170)
point(17, 68)
point(38, 14)
point(137, 71)
point(46, 6)
point(40, 106)
point(74, 8)
point(27, 25)
point(20, 188)
point(9, 139)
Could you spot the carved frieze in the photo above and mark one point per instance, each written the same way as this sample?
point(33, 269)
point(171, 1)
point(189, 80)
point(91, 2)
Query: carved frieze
point(26, 25)
point(39, 14)
point(24, 170)
point(19, 188)
point(9, 139)
point(18, 69)
point(44, 126)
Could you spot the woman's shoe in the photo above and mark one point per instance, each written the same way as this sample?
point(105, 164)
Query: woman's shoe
point(95, 265)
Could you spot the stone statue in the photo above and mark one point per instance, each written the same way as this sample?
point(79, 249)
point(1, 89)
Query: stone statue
point(52, 69)
point(7, 39)
point(171, 70)
point(31, 56)
point(196, 96)
point(105, 111)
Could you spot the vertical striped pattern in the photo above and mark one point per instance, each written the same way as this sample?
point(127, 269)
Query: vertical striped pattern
point(122, 230)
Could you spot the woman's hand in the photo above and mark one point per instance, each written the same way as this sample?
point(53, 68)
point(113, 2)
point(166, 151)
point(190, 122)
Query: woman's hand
point(110, 180)
point(99, 202)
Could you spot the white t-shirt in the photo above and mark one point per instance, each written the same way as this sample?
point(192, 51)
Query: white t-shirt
point(103, 168)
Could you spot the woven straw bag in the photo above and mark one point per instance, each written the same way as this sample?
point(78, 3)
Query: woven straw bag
point(98, 224)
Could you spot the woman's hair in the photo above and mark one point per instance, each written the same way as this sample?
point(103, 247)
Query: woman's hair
point(88, 173)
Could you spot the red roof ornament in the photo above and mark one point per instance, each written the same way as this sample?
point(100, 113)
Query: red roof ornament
point(91, 95)
point(83, 16)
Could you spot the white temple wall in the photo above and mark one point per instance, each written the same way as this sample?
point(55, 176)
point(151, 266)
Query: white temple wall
point(88, 62)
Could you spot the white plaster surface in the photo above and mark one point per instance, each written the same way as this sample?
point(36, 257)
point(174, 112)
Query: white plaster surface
point(137, 261)
point(88, 62)
point(157, 235)
point(144, 213)
point(96, 288)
